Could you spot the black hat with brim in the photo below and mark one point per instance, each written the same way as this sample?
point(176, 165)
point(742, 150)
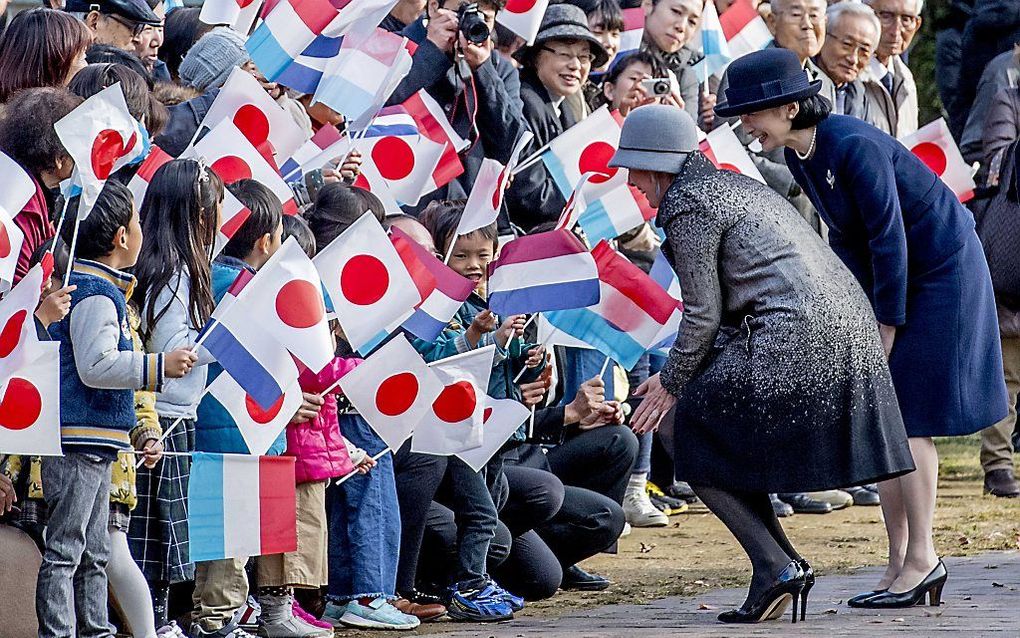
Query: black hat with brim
point(763, 80)
point(133, 10)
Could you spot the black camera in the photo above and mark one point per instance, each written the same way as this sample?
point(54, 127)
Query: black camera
point(472, 23)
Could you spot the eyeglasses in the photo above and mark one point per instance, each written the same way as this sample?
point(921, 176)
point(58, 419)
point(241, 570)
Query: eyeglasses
point(136, 27)
point(566, 56)
point(863, 51)
point(906, 20)
point(798, 15)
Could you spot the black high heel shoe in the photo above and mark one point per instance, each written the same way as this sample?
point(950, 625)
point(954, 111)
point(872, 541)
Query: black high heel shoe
point(771, 604)
point(809, 582)
point(931, 585)
point(860, 599)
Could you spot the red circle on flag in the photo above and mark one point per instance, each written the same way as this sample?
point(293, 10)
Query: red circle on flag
point(299, 304)
point(497, 195)
point(259, 415)
point(231, 226)
point(10, 335)
point(396, 394)
point(5, 242)
point(729, 167)
point(251, 121)
point(364, 280)
point(486, 415)
point(107, 148)
point(932, 156)
point(456, 402)
point(393, 158)
point(595, 158)
point(231, 168)
point(21, 405)
point(520, 6)
point(244, 3)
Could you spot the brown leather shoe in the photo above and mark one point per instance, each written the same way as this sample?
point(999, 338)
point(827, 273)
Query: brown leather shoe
point(424, 613)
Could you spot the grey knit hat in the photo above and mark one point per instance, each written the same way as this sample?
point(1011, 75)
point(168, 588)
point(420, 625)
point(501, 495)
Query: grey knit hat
point(656, 137)
point(212, 58)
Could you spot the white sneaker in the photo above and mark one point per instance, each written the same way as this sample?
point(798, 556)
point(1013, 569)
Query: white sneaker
point(838, 499)
point(626, 530)
point(171, 630)
point(278, 620)
point(639, 511)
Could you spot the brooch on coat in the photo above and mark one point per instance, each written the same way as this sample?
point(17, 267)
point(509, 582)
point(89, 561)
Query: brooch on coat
point(831, 179)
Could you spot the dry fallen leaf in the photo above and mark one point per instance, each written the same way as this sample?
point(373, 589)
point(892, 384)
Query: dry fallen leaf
point(644, 549)
point(898, 619)
point(933, 614)
point(706, 607)
point(995, 584)
point(832, 610)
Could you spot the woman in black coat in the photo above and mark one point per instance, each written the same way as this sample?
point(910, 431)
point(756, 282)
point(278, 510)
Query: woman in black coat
point(777, 353)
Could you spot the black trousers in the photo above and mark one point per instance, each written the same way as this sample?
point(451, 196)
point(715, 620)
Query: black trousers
point(418, 477)
point(599, 460)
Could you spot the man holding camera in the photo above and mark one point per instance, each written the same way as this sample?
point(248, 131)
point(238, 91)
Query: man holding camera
point(478, 91)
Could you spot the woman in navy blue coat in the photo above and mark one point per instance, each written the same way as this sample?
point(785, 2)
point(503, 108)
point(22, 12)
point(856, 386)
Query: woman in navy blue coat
point(912, 246)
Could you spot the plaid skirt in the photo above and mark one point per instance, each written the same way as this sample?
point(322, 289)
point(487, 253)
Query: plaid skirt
point(158, 533)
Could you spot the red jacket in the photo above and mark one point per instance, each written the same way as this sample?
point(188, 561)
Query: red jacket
point(34, 221)
point(317, 444)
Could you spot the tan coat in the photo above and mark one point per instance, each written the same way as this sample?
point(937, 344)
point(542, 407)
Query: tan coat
point(895, 114)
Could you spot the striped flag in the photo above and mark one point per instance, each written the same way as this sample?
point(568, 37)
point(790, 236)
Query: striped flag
point(713, 44)
point(327, 144)
point(140, 182)
point(304, 72)
point(432, 123)
point(240, 506)
point(744, 29)
point(723, 149)
point(664, 275)
point(633, 30)
point(288, 29)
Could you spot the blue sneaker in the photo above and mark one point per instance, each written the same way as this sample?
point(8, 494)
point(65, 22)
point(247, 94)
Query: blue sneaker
point(486, 604)
point(516, 602)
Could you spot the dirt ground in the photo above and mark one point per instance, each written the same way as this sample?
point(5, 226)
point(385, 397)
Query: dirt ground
point(695, 553)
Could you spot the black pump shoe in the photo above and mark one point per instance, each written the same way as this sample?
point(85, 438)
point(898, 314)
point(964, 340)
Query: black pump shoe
point(809, 582)
point(931, 585)
point(771, 604)
point(859, 599)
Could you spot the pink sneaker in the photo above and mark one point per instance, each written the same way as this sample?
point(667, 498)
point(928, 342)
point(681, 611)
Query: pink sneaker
point(308, 618)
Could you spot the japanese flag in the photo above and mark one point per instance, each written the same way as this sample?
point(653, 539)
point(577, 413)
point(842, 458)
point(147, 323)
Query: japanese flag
point(233, 158)
point(934, 145)
point(392, 390)
point(288, 293)
point(156, 158)
point(101, 137)
point(259, 427)
point(30, 404)
point(17, 323)
point(404, 163)
point(486, 198)
point(587, 148)
point(367, 282)
point(16, 188)
point(723, 149)
point(500, 419)
point(243, 101)
point(238, 14)
point(232, 218)
point(455, 422)
point(523, 17)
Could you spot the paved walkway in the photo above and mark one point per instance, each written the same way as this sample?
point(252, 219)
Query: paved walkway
point(982, 599)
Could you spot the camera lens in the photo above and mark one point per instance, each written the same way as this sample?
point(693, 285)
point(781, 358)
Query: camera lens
point(472, 24)
point(661, 88)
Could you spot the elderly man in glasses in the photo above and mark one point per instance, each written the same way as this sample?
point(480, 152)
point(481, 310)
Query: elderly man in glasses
point(853, 32)
point(893, 92)
point(118, 23)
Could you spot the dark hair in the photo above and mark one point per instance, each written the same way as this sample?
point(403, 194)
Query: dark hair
point(179, 226)
point(295, 226)
point(96, 77)
point(109, 54)
point(812, 110)
point(336, 207)
point(113, 209)
point(392, 218)
point(266, 212)
point(39, 48)
point(60, 255)
point(26, 128)
point(441, 217)
point(181, 31)
point(606, 12)
point(624, 62)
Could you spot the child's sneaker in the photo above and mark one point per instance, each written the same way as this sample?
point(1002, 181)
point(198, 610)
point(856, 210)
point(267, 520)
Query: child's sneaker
point(247, 615)
point(378, 614)
point(171, 630)
point(230, 630)
point(479, 605)
point(516, 602)
point(278, 620)
point(309, 618)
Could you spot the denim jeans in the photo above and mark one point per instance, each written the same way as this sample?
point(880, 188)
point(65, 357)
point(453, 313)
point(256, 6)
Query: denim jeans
point(464, 491)
point(72, 578)
point(364, 523)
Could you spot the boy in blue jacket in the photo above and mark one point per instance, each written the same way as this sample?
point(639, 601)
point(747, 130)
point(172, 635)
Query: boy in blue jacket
point(99, 372)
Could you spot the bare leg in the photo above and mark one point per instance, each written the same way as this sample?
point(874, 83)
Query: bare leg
point(919, 489)
point(891, 493)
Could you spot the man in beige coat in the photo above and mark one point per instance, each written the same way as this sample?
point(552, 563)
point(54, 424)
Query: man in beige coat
point(890, 84)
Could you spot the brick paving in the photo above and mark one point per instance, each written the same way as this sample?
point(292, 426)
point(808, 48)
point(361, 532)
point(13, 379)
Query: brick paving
point(982, 599)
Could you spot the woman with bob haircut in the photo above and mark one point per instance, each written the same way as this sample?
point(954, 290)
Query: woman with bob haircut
point(41, 47)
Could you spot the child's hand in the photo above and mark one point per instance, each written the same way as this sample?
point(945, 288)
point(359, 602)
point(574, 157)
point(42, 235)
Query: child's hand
point(365, 465)
point(55, 306)
point(512, 327)
point(178, 363)
point(536, 356)
point(483, 323)
point(152, 452)
point(311, 404)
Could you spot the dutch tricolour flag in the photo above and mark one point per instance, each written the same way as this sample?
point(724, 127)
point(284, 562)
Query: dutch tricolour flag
point(543, 272)
point(304, 72)
point(629, 316)
point(241, 505)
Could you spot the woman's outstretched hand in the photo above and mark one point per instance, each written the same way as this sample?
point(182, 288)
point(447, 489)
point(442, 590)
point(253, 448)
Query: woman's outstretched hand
point(656, 402)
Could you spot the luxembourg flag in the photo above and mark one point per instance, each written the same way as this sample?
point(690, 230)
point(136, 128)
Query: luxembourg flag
point(663, 274)
point(359, 80)
point(241, 505)
point(713, 44)
point(542, 272)
point(442, 290)
point(744, 29)
point(934, 145)
point(629, 316)
point(286, 32)
point(523, 17)
point(633, 30)
point(327, 144)
point(723, 149)
point(140, 182)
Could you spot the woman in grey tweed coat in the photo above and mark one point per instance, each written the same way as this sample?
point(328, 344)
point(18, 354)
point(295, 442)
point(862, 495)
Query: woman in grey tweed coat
point(778, 376)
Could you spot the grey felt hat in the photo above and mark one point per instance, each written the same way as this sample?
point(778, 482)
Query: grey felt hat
point(656, 137)
point(212, 58)
point(565, 22)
